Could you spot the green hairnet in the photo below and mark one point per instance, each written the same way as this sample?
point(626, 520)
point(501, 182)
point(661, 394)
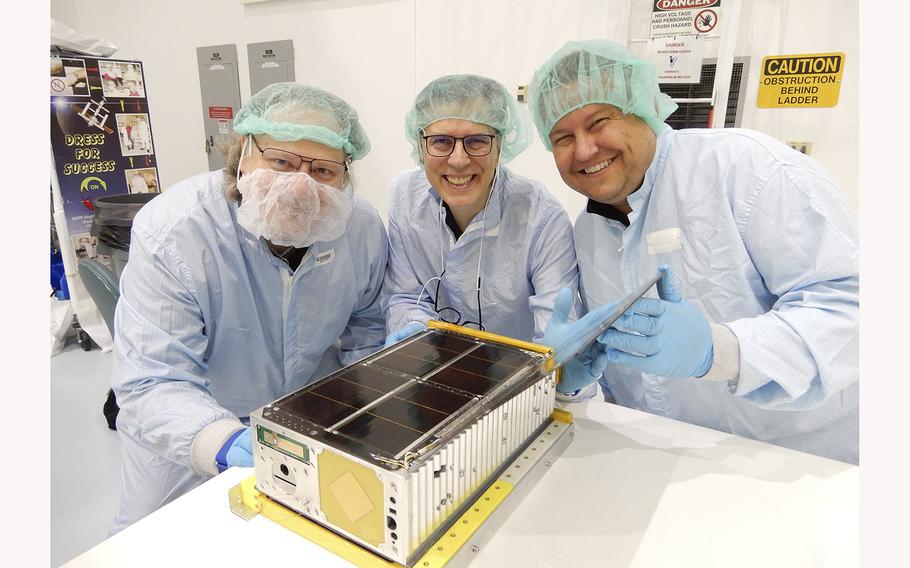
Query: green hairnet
point(595, 71)
point(291, 111)
point(474, 98)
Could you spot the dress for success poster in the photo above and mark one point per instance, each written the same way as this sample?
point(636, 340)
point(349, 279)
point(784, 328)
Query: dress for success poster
point(101, 136)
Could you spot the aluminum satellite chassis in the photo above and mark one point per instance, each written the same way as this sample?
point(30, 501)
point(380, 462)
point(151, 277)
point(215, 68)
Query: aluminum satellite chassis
point(460, 540)
point(404, 451)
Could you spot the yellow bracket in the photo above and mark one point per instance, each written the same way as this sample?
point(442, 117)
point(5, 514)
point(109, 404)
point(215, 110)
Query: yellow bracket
point(487, 336)
point(561, 415)
point(464, 528)
point(310, 530)
point(438, 555)
point(548, 365)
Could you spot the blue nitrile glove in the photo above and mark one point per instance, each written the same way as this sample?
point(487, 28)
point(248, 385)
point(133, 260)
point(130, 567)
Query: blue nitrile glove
point(564, 336)
point(407, 331)
point(583, 369)
point(236, 451)
point(675, 338)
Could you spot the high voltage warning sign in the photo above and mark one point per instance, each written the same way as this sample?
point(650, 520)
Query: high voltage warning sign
point(800, 81)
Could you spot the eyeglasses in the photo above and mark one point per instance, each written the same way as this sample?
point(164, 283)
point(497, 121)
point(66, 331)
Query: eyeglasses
point(323, 171)
point(442, 145)
point(453, 316)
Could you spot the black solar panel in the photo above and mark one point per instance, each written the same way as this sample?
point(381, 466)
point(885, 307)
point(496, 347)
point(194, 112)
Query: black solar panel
point(390, 401)
point(316, 409)
point(427, 395)
point(470, 383)
point(375, 432)
point(421, 357)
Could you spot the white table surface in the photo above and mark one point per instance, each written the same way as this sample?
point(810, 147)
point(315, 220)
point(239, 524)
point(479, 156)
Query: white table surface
point(632, 489)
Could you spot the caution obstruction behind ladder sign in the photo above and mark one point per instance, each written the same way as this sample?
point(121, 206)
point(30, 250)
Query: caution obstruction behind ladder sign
point(800, 81)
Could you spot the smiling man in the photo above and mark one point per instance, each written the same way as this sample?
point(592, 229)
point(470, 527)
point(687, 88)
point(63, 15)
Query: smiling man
point(243, 285)
point(757, 333)
point(471, 242)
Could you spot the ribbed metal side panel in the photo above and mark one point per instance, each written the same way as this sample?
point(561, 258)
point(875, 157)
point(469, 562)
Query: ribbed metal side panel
point(421, 505)
point(467, 461)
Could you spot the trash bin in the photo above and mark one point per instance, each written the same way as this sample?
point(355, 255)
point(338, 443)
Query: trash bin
point(112, 225)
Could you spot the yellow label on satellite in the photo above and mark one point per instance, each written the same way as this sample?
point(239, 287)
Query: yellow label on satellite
point(800, 81)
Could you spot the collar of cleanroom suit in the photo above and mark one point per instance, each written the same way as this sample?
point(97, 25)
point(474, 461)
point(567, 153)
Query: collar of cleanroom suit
point(606, 210)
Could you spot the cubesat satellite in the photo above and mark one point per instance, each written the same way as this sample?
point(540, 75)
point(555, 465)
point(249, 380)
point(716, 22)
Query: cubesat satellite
point(394, 451)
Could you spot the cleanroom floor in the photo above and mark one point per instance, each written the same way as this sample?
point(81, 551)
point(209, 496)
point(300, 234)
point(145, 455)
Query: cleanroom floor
point(85, 454)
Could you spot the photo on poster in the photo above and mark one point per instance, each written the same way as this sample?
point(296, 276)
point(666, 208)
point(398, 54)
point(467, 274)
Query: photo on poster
point(135, 134)
point(142, 180)
point(84, 244)
point(68, 77)
point(121, 79)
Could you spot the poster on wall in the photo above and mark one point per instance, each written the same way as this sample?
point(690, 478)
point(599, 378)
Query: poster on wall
point(677, 59)
point(142, 180)
point(101, 137)
point(684, 18)
point(800, 81)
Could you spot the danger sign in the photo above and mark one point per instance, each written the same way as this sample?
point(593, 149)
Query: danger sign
point(685, 18)
point(221, 112)
point(800, 81)
point(705, 21)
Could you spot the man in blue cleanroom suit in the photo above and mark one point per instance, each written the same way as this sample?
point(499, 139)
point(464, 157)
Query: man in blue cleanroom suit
point(755, 330)
point(240, 285)
point(463, 217)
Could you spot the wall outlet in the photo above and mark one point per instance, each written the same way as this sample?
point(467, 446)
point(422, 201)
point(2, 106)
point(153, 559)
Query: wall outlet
point(522, 93)
point(801, 146)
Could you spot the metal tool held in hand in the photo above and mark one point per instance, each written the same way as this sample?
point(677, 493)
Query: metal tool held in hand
point(587, 339)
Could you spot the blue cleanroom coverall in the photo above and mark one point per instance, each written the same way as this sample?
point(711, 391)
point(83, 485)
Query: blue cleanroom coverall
point(528, 255)
point(764, 246)
point(211, 325)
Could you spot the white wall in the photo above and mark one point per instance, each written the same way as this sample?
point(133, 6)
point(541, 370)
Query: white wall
point(377, 54)
point(782, 27)
point(361, 50)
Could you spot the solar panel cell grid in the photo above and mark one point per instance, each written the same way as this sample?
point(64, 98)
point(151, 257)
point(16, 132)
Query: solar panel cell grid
point(422, 356)
point(373, 378)
point(345, 392)
point(407, 364)
point(427, 395)
point(416, 410)
point(483, 368)
point(406, 413)
point(463, 380)
point(317, 409)
point(500, 355)
point(397, 421)
point(380, 433)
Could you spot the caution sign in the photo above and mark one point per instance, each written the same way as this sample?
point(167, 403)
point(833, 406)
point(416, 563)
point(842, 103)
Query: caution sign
point(800, 81)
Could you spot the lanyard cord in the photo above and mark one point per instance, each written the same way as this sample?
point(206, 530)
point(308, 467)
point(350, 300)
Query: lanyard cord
point(483, 225)
point(442, 261)
point(483, 233)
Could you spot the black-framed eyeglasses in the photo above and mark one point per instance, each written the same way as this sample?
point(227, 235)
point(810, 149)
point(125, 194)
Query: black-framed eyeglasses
point(442, 145)
point(453, 316)
point(323, 171)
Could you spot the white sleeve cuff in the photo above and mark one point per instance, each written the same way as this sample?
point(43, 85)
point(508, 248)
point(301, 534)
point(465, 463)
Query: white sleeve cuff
point(208, 441)
point(726, 356)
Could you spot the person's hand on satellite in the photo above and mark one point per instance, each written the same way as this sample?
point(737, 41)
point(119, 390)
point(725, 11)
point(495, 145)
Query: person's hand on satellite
point(565, 337)
point(236, 451)
point(407, 331)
